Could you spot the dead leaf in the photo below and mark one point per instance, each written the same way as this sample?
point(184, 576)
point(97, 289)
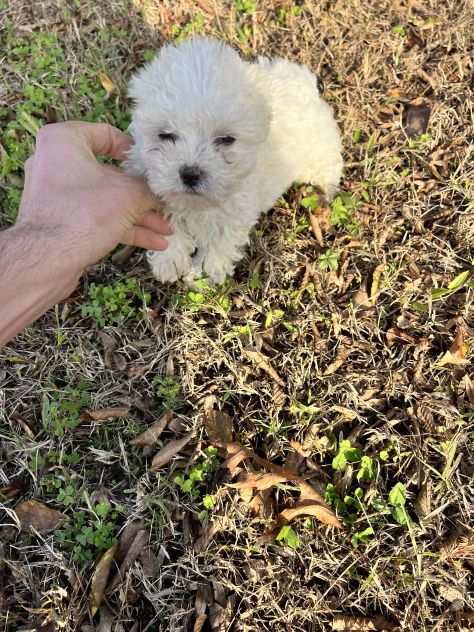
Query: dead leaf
point(110, 345)
point(199, 623)
point(32, 513)
point(106, 620)
point(105, 414)
point(107, 84)
point(416, 118)
point(300, 449)
point(423, 499)
point(451, 593)
point(457, 547)
point(169, 450)
point(399, 336)
point(289, 474)
point(100, 578)
point(361, 298)
point(14, 488)
point(219, 427)
point(236, 454)
point(200, 606)
point(150, 436)
point(456, 354)
point(262, 504)
point(316, 228)
point(126, 538)
point(263, 363)
point(468, 386)
point(311, 508)
point(137, 547)
point(341, 356)
point(208, 532)
point(347, 623)
point(123, 255)
point(347, 413)
point(375, 285)
point(279, 396)
point(308, 492)
point(259, 481)
point(151, 564)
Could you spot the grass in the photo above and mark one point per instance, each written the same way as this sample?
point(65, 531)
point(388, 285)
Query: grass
point(351, 388)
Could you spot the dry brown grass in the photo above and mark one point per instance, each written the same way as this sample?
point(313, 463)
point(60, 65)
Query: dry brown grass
point(416, 217)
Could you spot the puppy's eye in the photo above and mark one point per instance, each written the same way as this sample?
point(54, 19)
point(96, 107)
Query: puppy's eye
point(226, 141)
point(168, 136)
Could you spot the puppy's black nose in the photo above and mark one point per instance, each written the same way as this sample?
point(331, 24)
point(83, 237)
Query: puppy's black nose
point(190, 175)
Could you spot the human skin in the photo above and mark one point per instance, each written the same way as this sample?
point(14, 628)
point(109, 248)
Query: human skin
point(74, 210)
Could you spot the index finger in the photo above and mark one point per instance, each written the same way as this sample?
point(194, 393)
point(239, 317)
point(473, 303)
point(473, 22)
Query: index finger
point(100, 139)
point(104, 139)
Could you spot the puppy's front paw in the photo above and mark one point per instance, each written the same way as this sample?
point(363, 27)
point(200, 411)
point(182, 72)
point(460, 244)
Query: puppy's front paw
point(166, 268)
point(217, 267)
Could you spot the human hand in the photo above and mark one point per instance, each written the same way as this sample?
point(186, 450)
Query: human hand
point(88, 207)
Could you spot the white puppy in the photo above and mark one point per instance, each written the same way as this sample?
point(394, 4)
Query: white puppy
point(219, 140)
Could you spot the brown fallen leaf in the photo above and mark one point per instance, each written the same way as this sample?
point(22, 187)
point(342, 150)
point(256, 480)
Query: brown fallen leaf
point(300, 449)
point(100, 578)
point(316, 228)
point(416, 117)
point(468, 386)
point(105, 414)
point(279, 396)
point(262, 504)
point(151, 564)
point(151, 435)
point(308, 492)
point(451, 593)
point(14, 488)
point(375, 285)
point(423, 499)
point(106, 620)
point(347, 623)
point(399, 336)
point(311, 508)
point(236, 454)
point(169, 450)
point(109, 344)
point(123, 255)
point(200, 606)
point(219, 427)
point(107, 84)
point(361, 298)
point(289, 474)
point(136, 548)
point(259, 481)
point(341, 356)
point(199, 623)
point(457, 547)
point(33, 514)
point(456, 353)
point(245, 493)
point(126, 538)
point(208, 532)
point(263, 363)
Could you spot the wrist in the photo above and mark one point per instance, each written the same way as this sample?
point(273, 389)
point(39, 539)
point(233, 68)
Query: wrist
point(35, 274)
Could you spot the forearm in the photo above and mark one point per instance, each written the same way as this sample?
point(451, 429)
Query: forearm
point(34, 276)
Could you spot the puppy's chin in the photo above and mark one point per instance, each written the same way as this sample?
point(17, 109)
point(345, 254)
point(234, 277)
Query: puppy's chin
point(188, 199)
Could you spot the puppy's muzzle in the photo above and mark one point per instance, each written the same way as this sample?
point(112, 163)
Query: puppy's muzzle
point(191, 176)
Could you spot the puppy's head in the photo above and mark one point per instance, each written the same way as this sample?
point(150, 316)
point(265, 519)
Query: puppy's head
point(197, 122)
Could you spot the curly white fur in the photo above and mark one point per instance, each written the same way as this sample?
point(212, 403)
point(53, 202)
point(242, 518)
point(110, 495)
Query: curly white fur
point(244, 131)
